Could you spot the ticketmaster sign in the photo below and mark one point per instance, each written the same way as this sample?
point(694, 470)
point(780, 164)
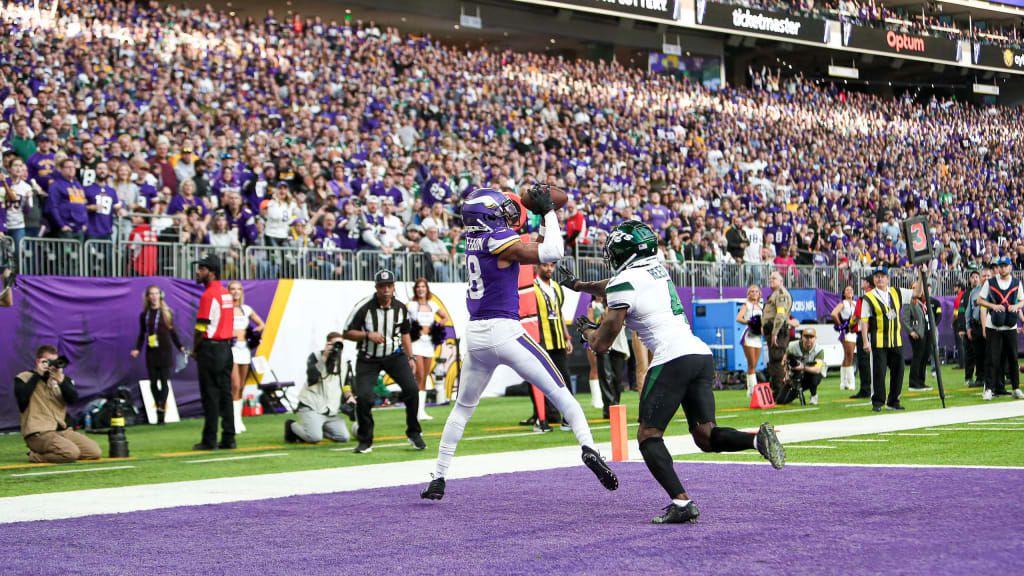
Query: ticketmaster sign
point(732, 17)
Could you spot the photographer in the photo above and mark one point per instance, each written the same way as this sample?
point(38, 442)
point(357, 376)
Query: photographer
point(320, 399)
point(43, 396)
point(807, 363)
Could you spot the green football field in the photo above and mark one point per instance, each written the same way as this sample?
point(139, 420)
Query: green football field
point(163, 454)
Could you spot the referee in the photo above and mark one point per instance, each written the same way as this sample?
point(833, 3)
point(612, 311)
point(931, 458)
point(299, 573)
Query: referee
point(381, 327)
point(211, 347)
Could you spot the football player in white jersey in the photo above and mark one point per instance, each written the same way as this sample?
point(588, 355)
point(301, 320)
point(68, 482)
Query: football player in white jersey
point(641, 295)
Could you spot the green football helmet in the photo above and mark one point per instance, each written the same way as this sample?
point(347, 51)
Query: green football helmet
point(628, 242)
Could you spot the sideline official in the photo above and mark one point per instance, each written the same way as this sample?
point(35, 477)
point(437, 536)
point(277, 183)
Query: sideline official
point(554, 338)
point(381, 327)
point(212, 350)
point(881, 326)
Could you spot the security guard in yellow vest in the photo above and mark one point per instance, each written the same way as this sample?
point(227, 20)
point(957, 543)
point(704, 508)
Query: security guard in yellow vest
point(880, 324)
point(554, 336)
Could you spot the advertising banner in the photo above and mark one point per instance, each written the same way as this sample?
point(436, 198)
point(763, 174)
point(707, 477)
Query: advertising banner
point(662, 9)
point(997, 57)
point(777, 24)
point(900, 43)
point(805, 304)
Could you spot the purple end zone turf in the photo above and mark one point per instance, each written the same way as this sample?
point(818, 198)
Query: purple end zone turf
point(754, 520)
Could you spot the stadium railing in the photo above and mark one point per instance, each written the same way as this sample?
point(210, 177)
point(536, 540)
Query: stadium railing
point(100, 258)
point(51, 257)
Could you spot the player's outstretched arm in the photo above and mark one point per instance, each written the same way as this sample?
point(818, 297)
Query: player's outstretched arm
point(602, 337)
point(567, 277)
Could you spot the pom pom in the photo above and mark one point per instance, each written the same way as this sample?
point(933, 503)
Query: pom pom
point(415, 330)
point(437, 334)
point(754, 325)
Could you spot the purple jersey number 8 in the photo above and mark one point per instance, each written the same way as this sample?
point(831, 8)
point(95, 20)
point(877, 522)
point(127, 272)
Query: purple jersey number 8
point(476, 281)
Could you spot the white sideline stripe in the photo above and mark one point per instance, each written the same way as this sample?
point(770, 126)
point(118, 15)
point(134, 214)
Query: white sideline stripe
point(250, 456)
point(965, 429)
point(857, 405)
point(995, 423)
point(859, 440)
point(907, 434)
point(790, 411)
point(78, 503)
point(71, 471)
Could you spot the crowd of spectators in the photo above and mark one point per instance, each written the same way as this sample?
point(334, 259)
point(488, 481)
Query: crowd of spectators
point(921, 18)
point(212, 129)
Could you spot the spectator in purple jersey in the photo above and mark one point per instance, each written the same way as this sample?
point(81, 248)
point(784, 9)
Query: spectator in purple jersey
point(102, 204)
point(227, 182)
point(187, 199)
point(240, 218)
point(66, 204)
point(436, 189)
point(658, 215)
point(42, 167)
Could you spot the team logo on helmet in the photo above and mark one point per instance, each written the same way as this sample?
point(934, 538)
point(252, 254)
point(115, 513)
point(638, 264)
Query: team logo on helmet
point(628, 242)
point(487, 209)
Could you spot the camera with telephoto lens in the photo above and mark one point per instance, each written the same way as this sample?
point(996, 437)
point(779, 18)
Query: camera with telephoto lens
point(794, 362)
point(58, 363)
point(333, 360)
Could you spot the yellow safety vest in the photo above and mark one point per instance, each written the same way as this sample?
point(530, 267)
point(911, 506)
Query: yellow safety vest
point(549, 317)
point(884, 325)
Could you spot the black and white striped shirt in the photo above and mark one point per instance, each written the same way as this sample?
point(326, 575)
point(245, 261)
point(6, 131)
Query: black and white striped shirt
point(392, 322)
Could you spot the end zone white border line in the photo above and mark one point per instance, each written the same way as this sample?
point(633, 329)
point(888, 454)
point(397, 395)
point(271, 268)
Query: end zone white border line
point(79, 503)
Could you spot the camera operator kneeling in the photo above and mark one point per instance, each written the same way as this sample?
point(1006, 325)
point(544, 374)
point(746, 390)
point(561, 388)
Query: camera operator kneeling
point(319, 401)
point(43, 396)
point(807, 362)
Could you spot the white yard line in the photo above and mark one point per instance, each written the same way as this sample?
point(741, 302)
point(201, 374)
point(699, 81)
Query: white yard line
point(75, 471)
point(417, 472)
point(908, 434)
point(995, 423)
point(810, 446)
point(978, 429)
point(249, 457)
point(859, 440)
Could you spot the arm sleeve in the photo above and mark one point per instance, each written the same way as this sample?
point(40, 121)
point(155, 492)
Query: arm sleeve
point(312, 371)
point(356, 321)
point(142, 331)
point(174, 335)
point(404, 327)
point(23, 390)
point(68, 391)
point(620, 293)
point(52, 205)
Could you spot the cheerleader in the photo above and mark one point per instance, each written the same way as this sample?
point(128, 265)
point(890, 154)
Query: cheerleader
point(841, 315)
point(240, 354)
point(423, 310)
point(750, 316)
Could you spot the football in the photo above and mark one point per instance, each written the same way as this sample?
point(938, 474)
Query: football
point(558, 197)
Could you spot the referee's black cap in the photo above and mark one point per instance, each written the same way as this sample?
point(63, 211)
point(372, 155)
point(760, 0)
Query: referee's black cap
point(384, 276)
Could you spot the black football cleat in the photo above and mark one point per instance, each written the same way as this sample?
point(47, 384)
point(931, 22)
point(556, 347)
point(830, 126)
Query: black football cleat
point(363, 448)
point(769, 446)
point(417, 442)
point(678, 514)
point(434, 490)
point(597, 465)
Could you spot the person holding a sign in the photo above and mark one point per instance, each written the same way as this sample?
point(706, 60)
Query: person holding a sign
point(1002, 298)
point(881, 326)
